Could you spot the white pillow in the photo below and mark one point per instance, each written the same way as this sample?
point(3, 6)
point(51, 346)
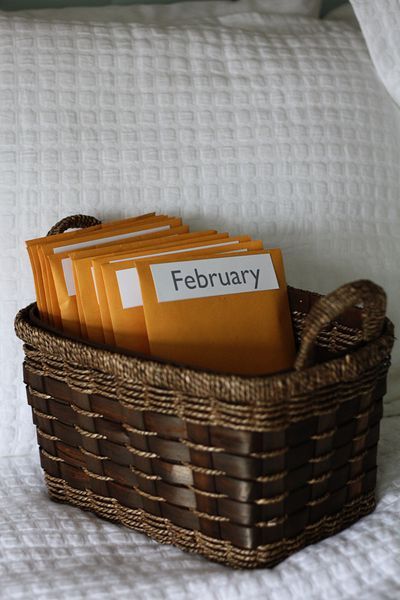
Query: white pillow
point(380, 23)
point(288, 136)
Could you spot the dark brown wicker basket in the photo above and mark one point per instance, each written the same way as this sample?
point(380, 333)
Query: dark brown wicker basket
point(243, 470)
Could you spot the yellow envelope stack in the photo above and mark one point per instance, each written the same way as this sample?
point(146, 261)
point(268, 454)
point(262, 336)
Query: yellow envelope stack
point(150, 286)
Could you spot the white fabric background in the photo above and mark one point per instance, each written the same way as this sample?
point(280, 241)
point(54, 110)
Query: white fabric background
point(380, 22)
point(285, 134)
point(291, 138)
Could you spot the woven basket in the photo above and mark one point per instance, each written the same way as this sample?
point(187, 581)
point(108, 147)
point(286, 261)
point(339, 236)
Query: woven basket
point(243, 470)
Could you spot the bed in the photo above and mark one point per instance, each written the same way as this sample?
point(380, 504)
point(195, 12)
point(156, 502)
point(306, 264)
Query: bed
point(287, 127)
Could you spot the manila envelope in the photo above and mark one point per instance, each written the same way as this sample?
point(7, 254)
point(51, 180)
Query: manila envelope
point(63, 271)
point(227, 314)
point(88, 295)
point(61, 283)
point(124, 297)
point(105, 233)
point(97, 264)
point(32, 247)
point(82, 266)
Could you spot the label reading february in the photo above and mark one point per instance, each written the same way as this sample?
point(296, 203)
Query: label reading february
point(213, 277)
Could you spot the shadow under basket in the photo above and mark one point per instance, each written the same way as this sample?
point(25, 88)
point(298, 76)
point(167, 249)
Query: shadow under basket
point(242, 470)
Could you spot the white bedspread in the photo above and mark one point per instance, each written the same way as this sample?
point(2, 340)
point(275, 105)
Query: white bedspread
point(326, 189)
point(50, 551)
point(276, 127)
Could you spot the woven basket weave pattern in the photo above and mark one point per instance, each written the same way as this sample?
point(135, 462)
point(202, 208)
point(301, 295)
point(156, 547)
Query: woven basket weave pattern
point(245, 473)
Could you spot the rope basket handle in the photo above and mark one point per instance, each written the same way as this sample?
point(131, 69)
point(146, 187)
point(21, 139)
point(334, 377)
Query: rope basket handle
point(330, 307)
point(73, 222)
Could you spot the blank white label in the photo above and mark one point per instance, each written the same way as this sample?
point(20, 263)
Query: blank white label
point(213, 277)
point(129, 287)
point(68, 276)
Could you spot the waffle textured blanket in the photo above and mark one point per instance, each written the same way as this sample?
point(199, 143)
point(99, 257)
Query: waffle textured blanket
point(275, 125)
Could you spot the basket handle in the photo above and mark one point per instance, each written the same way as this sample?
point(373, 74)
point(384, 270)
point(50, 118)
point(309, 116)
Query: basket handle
point(328, 308)
point(75, 222)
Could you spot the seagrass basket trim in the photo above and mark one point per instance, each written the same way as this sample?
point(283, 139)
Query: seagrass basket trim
point(257, 403)
point(164, 531)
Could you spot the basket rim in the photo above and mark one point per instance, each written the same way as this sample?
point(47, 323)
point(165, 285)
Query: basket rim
point(190, 381)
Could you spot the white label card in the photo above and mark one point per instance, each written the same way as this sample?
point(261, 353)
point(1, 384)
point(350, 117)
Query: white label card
point(129, 287)
point(69, 276)
point(213, 277)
